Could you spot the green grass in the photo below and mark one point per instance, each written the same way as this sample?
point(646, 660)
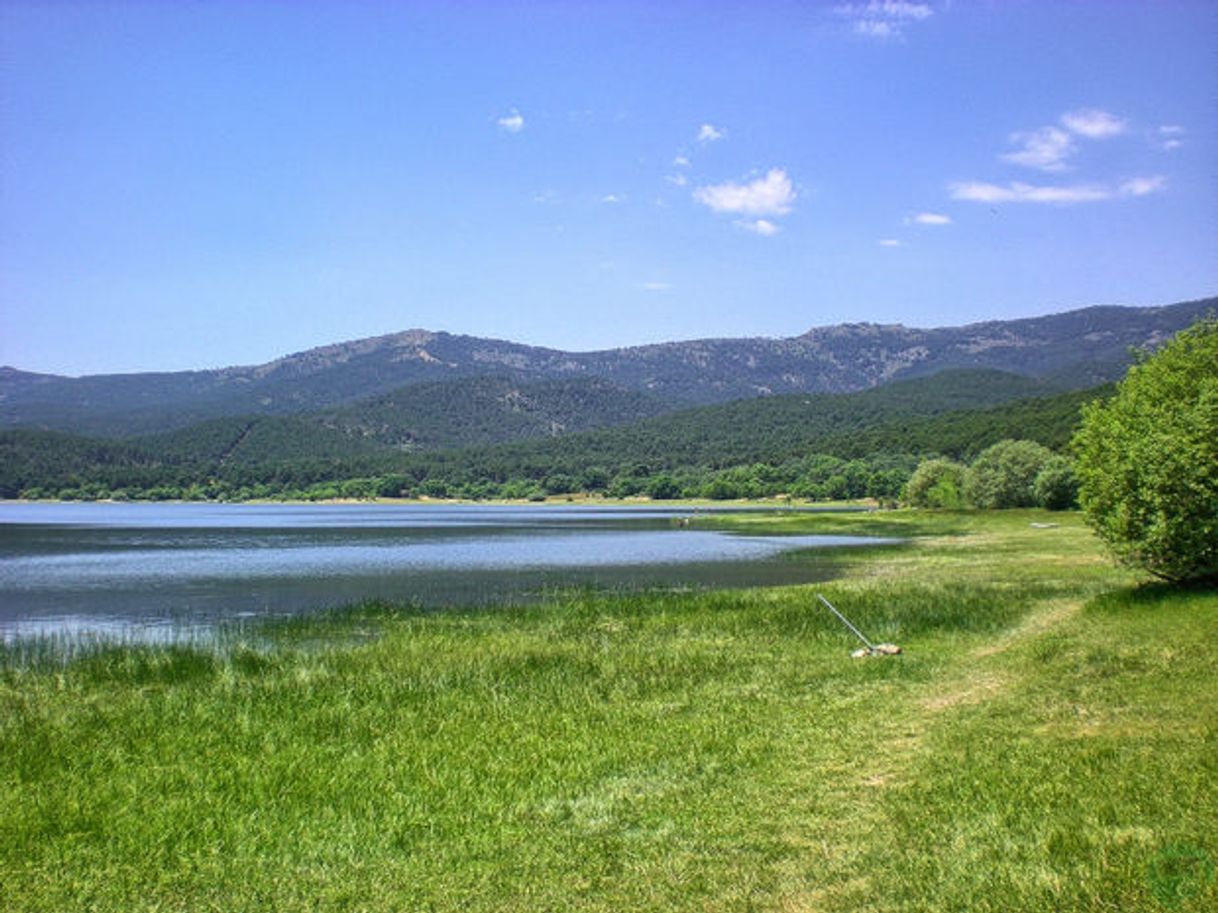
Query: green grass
point(1048, 740)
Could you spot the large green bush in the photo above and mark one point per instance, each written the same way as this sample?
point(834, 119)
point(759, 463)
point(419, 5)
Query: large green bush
point(1004, 475)
point(936, 483)
point(1056, 485)
point(1148, 461)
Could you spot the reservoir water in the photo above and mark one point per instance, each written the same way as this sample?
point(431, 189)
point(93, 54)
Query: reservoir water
point(123, 568)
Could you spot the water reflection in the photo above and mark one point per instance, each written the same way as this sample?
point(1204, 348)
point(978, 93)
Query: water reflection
point(112, 567)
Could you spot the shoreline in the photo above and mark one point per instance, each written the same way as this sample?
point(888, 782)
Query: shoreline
point(860, 504)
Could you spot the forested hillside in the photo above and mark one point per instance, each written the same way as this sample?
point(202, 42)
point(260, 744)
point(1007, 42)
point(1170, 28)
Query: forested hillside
point(802, 442)
point(432, 416)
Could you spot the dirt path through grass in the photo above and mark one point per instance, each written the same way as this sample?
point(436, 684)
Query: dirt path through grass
point(884, 753)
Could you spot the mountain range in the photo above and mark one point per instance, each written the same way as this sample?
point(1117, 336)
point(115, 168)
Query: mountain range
point(430, 390)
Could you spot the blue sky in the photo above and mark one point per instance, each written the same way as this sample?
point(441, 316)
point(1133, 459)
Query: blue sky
point(198, 184)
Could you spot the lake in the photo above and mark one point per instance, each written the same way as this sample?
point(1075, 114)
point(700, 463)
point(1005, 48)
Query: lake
point(148, 568)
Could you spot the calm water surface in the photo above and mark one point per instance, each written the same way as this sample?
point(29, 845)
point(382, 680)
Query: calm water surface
point(124, 567)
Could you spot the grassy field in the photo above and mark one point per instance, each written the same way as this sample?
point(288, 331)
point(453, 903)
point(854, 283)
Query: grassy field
point(1047, 741)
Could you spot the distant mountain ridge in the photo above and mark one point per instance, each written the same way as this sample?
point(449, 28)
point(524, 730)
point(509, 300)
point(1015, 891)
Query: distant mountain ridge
point(1072, 349)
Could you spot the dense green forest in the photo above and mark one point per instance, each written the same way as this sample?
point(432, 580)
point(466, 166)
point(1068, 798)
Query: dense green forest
point(496, 410)
point(818, 447)
point(430, 416)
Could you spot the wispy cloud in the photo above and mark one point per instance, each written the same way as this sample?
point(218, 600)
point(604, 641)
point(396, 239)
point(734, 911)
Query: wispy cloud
point(1140, 187)
point(772, 195)
point(763, 227)
point(512, 122)
point(1093, 123)
point(679, 179)
point(883, 19)
point(1169, 137)
point(1045, 149)
point(1017, 192)
point(655, 286)
point(981, 192)
point(611, 199)
point(889, 242)
point(1050, 148)
point(681, 162)
point(709, 133)
point(929, 218)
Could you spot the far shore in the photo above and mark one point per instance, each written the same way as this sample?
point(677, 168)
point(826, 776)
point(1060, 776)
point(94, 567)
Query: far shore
point(778, 502)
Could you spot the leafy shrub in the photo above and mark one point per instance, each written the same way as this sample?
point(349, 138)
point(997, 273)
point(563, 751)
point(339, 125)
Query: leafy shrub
point(1148, 461)
point(594, 478)
point(663, 488)
point(936, 483)
point(721, 488)
point(625, 486)
point(559, 484)
point(1004, 475)
point(1056, 486)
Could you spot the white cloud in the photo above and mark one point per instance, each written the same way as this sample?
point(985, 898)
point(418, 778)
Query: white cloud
point(930, 218)
point(1169, 137)
point(708, 133)
point(681, 161)
point(899, 9)
point(1093, 123)
point(611, 198)
point(883, 19)
point(512, 122)
point(679, 179)
point(889, 242)
point(981, 192)
point(655, 286)
point(875, 28)
point(1045, 149)
point(1049, 148)
point(763, 227)
point(771, 195)
point(1140, 187)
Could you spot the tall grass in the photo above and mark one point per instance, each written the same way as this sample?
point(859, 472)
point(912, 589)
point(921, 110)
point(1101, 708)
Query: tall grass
point(1046, 741)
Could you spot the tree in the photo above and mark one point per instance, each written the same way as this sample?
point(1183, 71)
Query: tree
point(722, 488)
point(1056, 487)
point(594, 478)
point(1003, 475)
point(1148, 461)
point(936, 483)
point(559, 484)
point(663, 488)
point(625, 486)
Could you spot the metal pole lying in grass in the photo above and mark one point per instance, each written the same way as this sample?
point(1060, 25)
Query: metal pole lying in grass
point(846, 621)
point(872, 649)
